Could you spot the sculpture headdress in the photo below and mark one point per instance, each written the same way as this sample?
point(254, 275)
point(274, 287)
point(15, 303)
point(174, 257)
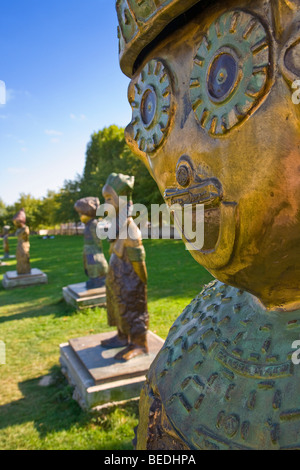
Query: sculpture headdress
point(121, 184)
point(142, 21)
point(87, 206)
point(20, 216)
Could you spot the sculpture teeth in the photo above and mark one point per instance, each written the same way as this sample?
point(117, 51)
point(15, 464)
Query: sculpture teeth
point(141, 144)
point(138, 89)
point(150, 68)
point(196, 104)
point(194, 83)
point(218, 29)
point(166, 92)
point(234, 22)
point(163, 78)
point(261, 59)
point(199, 60)
point(204, 117)
point(157, 68)
point(213, 125)
point(137, 134)
point(249, 28)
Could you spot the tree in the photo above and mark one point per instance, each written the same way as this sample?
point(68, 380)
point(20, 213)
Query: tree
point(107, 152)
point(65, 200)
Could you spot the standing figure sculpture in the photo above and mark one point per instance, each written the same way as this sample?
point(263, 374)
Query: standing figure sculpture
point(23, 247)
point(95, 264)
point(6, 230)
point(216, 120)
point(126, 282)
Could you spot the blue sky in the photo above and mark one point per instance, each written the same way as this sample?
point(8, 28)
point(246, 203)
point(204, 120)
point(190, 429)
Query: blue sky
point(59, 61)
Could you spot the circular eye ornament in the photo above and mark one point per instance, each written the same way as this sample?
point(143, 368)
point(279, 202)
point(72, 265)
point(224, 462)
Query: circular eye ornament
point(150, 99)
point(231, 71)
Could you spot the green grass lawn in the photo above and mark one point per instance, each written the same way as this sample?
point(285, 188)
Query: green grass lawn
point(35, 321)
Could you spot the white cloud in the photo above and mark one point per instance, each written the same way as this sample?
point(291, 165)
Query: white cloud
point(79, 117)
point(52, 132)
point(15, 170)
point(55, 140)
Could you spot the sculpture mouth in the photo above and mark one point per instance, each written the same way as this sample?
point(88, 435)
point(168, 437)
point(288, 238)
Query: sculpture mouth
point(196, 213)
point(193, 187)
point(208, 192)
point(218, 216)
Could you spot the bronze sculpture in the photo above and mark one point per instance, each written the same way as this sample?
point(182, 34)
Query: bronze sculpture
point(95, 264)
point(23, 247)
point(6, 230)
point(215, 123)
point(126, 282)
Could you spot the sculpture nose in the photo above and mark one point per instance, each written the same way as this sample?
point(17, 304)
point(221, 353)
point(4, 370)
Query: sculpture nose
point(184, 171)
point(183, 176)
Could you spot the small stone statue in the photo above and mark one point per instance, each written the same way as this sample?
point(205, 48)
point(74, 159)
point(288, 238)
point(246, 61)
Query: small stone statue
point(126, 282)
point(215, 100)
point(6, 230)
point(23, 247)
point(95, 264)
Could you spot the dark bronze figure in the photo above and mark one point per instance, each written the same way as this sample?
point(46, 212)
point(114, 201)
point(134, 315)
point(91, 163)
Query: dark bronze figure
point(126, 282)
point(6, 230)
point(95, 264)
point(23, 247)
point(216, 121)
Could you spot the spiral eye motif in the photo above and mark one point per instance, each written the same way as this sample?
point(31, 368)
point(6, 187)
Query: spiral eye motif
point(231, 72)
point(151, 103)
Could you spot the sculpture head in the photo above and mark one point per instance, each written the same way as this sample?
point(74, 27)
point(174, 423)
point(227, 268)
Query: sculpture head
point(214, 121)
point(87, 208)
point(116, 186)
point(19, 220)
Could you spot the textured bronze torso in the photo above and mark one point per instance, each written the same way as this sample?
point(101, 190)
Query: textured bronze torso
point(126, 297)
point(23, 251)
point(225, 377)
point(95, 264)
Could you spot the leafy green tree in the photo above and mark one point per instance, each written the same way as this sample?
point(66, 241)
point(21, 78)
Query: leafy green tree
point(65, 200)
point(32, 208)
point(107, 152)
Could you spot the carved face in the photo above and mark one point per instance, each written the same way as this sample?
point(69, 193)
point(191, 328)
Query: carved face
point(214, 121)
point(110, 196)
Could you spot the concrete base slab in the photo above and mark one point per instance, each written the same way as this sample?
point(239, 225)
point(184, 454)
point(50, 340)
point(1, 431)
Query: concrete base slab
point(98, 378)
point(80, 297)
point(12, 279)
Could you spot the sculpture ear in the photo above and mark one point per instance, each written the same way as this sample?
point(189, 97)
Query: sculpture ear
point(289, 61)
point(286, 15)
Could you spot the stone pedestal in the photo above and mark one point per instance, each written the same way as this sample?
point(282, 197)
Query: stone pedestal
point(98, 378)
point(12, 279)
point(80, 297)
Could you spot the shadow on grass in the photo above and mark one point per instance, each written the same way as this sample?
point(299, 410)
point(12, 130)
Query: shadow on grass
point(52, 409)
point(61, 310)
